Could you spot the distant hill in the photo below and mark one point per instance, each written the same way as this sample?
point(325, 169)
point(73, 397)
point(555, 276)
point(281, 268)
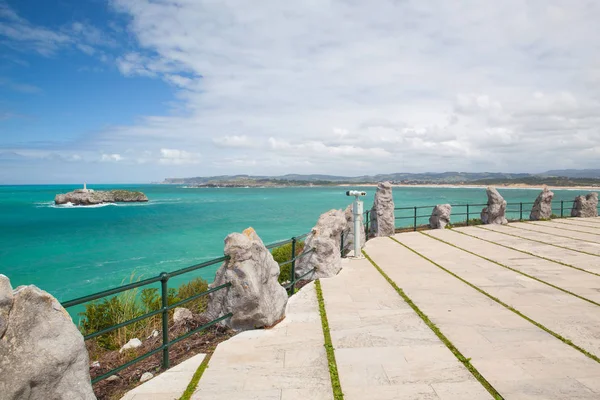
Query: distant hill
point(557, 178)
point(574, 173)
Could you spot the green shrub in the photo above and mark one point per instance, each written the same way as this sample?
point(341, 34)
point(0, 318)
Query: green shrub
point(475, 221)
point(110, 311)
point(283, 254)
point(553, 216)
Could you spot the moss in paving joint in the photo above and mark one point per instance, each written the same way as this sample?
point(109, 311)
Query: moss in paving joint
point(528, 253)
point(196, 378)
point(333, 371)
point(561, 228)
point(553, 234)
point(539, 241)
point(508, 307)
point(465, 361)
point(576, 224)
point(514, 270)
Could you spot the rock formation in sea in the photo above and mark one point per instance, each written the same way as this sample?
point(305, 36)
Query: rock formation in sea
point(440, 217)
point(86, 197)
point(542, 208)
point(42, 353)
point(349, 231)
point(495, 212)
point(585, 206)
point(382, 219)
point(324, 244)
point(255, 296)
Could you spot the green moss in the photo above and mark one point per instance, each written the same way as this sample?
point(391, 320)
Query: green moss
point(464, 360)
point(333, 371)
point(191, 388)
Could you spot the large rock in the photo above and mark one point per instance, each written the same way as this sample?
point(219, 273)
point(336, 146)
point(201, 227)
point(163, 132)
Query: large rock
point(349, 231)
point(585, 206)
point(324, 244)
point(542, 208)
point(495, 212)
point(255, 297)
point(440, 217)
point(84, 197)
point(382, 219)
point(42, 354)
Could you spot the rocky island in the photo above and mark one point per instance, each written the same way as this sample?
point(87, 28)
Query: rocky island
point(88, 197)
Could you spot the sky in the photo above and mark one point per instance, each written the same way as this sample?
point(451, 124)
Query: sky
point(123, 91)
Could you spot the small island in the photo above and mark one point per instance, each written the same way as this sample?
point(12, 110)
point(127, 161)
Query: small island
point(89, 197)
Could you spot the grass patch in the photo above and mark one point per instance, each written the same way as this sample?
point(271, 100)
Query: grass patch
point(464, 360)
point(283, 254)
point(531, 254)
point(546, 243)
point(196, 378)
point(333, 371)
point(514, 270)
point(508, 307)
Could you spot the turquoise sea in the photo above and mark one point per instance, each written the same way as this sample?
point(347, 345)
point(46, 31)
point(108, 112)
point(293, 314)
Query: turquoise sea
point(73, 251)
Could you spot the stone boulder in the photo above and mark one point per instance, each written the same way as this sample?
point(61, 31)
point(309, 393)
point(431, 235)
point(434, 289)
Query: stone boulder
point(42, 354)
point(181, 315)
point(382, 219)
point(542, 207)
point(325, 242)
point(83, 197)
point(585, 206)
point(255, 297)
point(440, 217)
point(495, 212)
point(349, 231)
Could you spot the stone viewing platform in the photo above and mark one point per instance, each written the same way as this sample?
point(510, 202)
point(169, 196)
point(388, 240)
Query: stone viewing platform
point(491, 311)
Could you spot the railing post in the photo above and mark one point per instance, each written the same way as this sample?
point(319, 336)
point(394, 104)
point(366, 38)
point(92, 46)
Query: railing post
point(562, 202)
point(164, 278)
point(415, 220)
point(367, 226)
point(467, 215)
point(342, 244)
point(293, 272)
point(520, 211)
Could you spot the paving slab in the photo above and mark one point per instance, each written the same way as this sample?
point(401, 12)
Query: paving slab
point(573, 280)
point(382, 347)
point(567, 315)
point(170, 384)
point(566, 227)
point(545, 227)
point(571, 257)
point(519, 359)
point(283, 362)
point(582, 222)
point(569, 243)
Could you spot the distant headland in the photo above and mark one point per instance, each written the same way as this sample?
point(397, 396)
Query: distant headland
point(88, 197)
point(589, 178)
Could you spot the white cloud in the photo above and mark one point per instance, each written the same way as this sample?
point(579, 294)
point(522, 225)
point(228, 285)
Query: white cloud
point(111, 158)
point(312, 86)
point(178, 157)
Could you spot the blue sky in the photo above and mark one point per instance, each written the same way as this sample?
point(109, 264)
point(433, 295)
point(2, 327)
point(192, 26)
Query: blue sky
point(140, 90)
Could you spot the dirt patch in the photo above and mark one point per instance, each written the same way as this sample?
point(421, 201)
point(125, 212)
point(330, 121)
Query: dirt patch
point(202, 342)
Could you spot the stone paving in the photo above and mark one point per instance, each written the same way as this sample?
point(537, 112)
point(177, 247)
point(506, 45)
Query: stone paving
point(514, 329)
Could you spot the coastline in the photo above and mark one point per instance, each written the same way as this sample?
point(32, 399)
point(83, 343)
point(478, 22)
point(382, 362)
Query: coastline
point(467, 186)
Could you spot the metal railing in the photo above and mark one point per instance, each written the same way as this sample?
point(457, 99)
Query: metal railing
point(165, 308)
point(514, 212)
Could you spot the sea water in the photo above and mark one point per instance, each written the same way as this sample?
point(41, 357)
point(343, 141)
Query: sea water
point(74, 251)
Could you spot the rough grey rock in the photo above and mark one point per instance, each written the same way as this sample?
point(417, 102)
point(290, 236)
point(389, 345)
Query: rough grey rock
point(382, 219)
point(182, 314)
point(495, 212)
point(86, 198)
point(113, 378)
point(42, 354)
point(325, 241)
point(585, 206)
point(255, 297)
point(146, 376)
point(132, 344)
point(542, 208)
point(440, 217)
point(349, 231)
